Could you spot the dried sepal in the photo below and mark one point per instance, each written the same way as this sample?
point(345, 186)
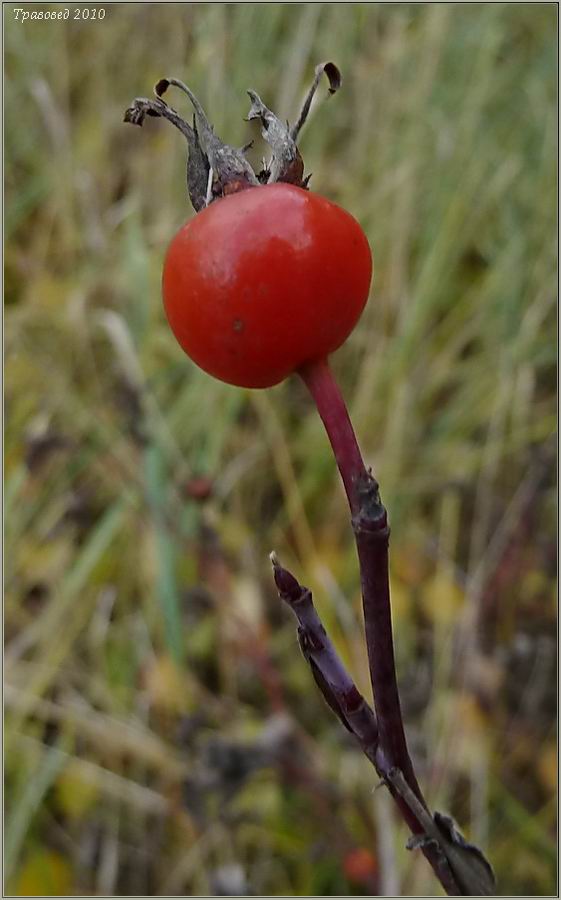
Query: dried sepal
point(197, 162)
point(229, 165)
point(216, 169)
point(335, 81)
point(142, 107)
point(286, 163)
point(198, 172)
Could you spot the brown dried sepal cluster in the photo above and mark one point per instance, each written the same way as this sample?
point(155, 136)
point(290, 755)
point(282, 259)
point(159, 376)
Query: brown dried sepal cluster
point(216, 169)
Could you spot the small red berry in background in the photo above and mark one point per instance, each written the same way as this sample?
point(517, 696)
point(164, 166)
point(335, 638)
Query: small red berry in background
point(360, 866)
point(199, 488)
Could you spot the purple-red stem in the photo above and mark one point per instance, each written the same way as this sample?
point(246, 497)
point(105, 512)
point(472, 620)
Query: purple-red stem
point(330, 674)
point(372, 538)
point(333, 411)
point(371, 531)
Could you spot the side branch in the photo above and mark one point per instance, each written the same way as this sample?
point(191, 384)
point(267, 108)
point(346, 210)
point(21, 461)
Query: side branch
point(460, 868)
point(356, 715)
point(330, 675)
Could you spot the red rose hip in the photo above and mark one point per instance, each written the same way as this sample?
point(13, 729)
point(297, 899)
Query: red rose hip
point(264, 281)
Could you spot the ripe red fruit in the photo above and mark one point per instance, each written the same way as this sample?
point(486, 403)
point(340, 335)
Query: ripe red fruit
point(264, 281)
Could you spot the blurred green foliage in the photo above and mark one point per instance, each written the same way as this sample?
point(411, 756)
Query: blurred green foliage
point(162, 732)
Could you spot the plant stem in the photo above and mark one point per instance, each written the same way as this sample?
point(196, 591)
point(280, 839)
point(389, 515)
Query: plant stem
point(331, 406)
point(328, 671)
point(371, 531)
point(460, 867)
point(355, 714)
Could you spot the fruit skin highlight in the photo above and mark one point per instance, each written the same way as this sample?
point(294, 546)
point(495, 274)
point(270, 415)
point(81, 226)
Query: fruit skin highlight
point(265, 281)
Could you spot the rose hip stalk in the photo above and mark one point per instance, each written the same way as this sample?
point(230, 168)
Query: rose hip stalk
point(265, 281)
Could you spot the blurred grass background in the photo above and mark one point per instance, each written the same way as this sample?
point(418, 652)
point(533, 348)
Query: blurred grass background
point(163, 735)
